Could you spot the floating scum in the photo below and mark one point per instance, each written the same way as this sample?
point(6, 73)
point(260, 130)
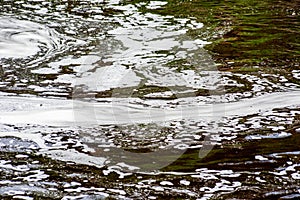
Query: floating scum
point(136, 78)
point(149, 73)
point(107, 91)
point(100, 126)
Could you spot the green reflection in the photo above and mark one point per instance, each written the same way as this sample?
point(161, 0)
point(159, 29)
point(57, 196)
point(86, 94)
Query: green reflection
point(244, 32)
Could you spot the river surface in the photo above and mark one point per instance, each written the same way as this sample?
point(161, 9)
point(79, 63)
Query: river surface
point(149, 100)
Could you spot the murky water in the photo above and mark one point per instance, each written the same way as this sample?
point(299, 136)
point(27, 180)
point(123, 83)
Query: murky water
point(113, 99)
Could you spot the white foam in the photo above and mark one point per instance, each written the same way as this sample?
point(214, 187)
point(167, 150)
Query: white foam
point(69, 113)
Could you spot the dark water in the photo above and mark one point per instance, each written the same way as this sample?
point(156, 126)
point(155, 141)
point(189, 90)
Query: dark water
point(149, 99)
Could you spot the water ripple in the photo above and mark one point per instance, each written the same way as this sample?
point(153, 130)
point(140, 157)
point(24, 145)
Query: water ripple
point(23, 39)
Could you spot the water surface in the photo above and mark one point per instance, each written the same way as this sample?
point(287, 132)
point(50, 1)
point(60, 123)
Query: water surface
point(149, 100)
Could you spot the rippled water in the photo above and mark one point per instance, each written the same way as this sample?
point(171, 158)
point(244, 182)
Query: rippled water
point(117, 99)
